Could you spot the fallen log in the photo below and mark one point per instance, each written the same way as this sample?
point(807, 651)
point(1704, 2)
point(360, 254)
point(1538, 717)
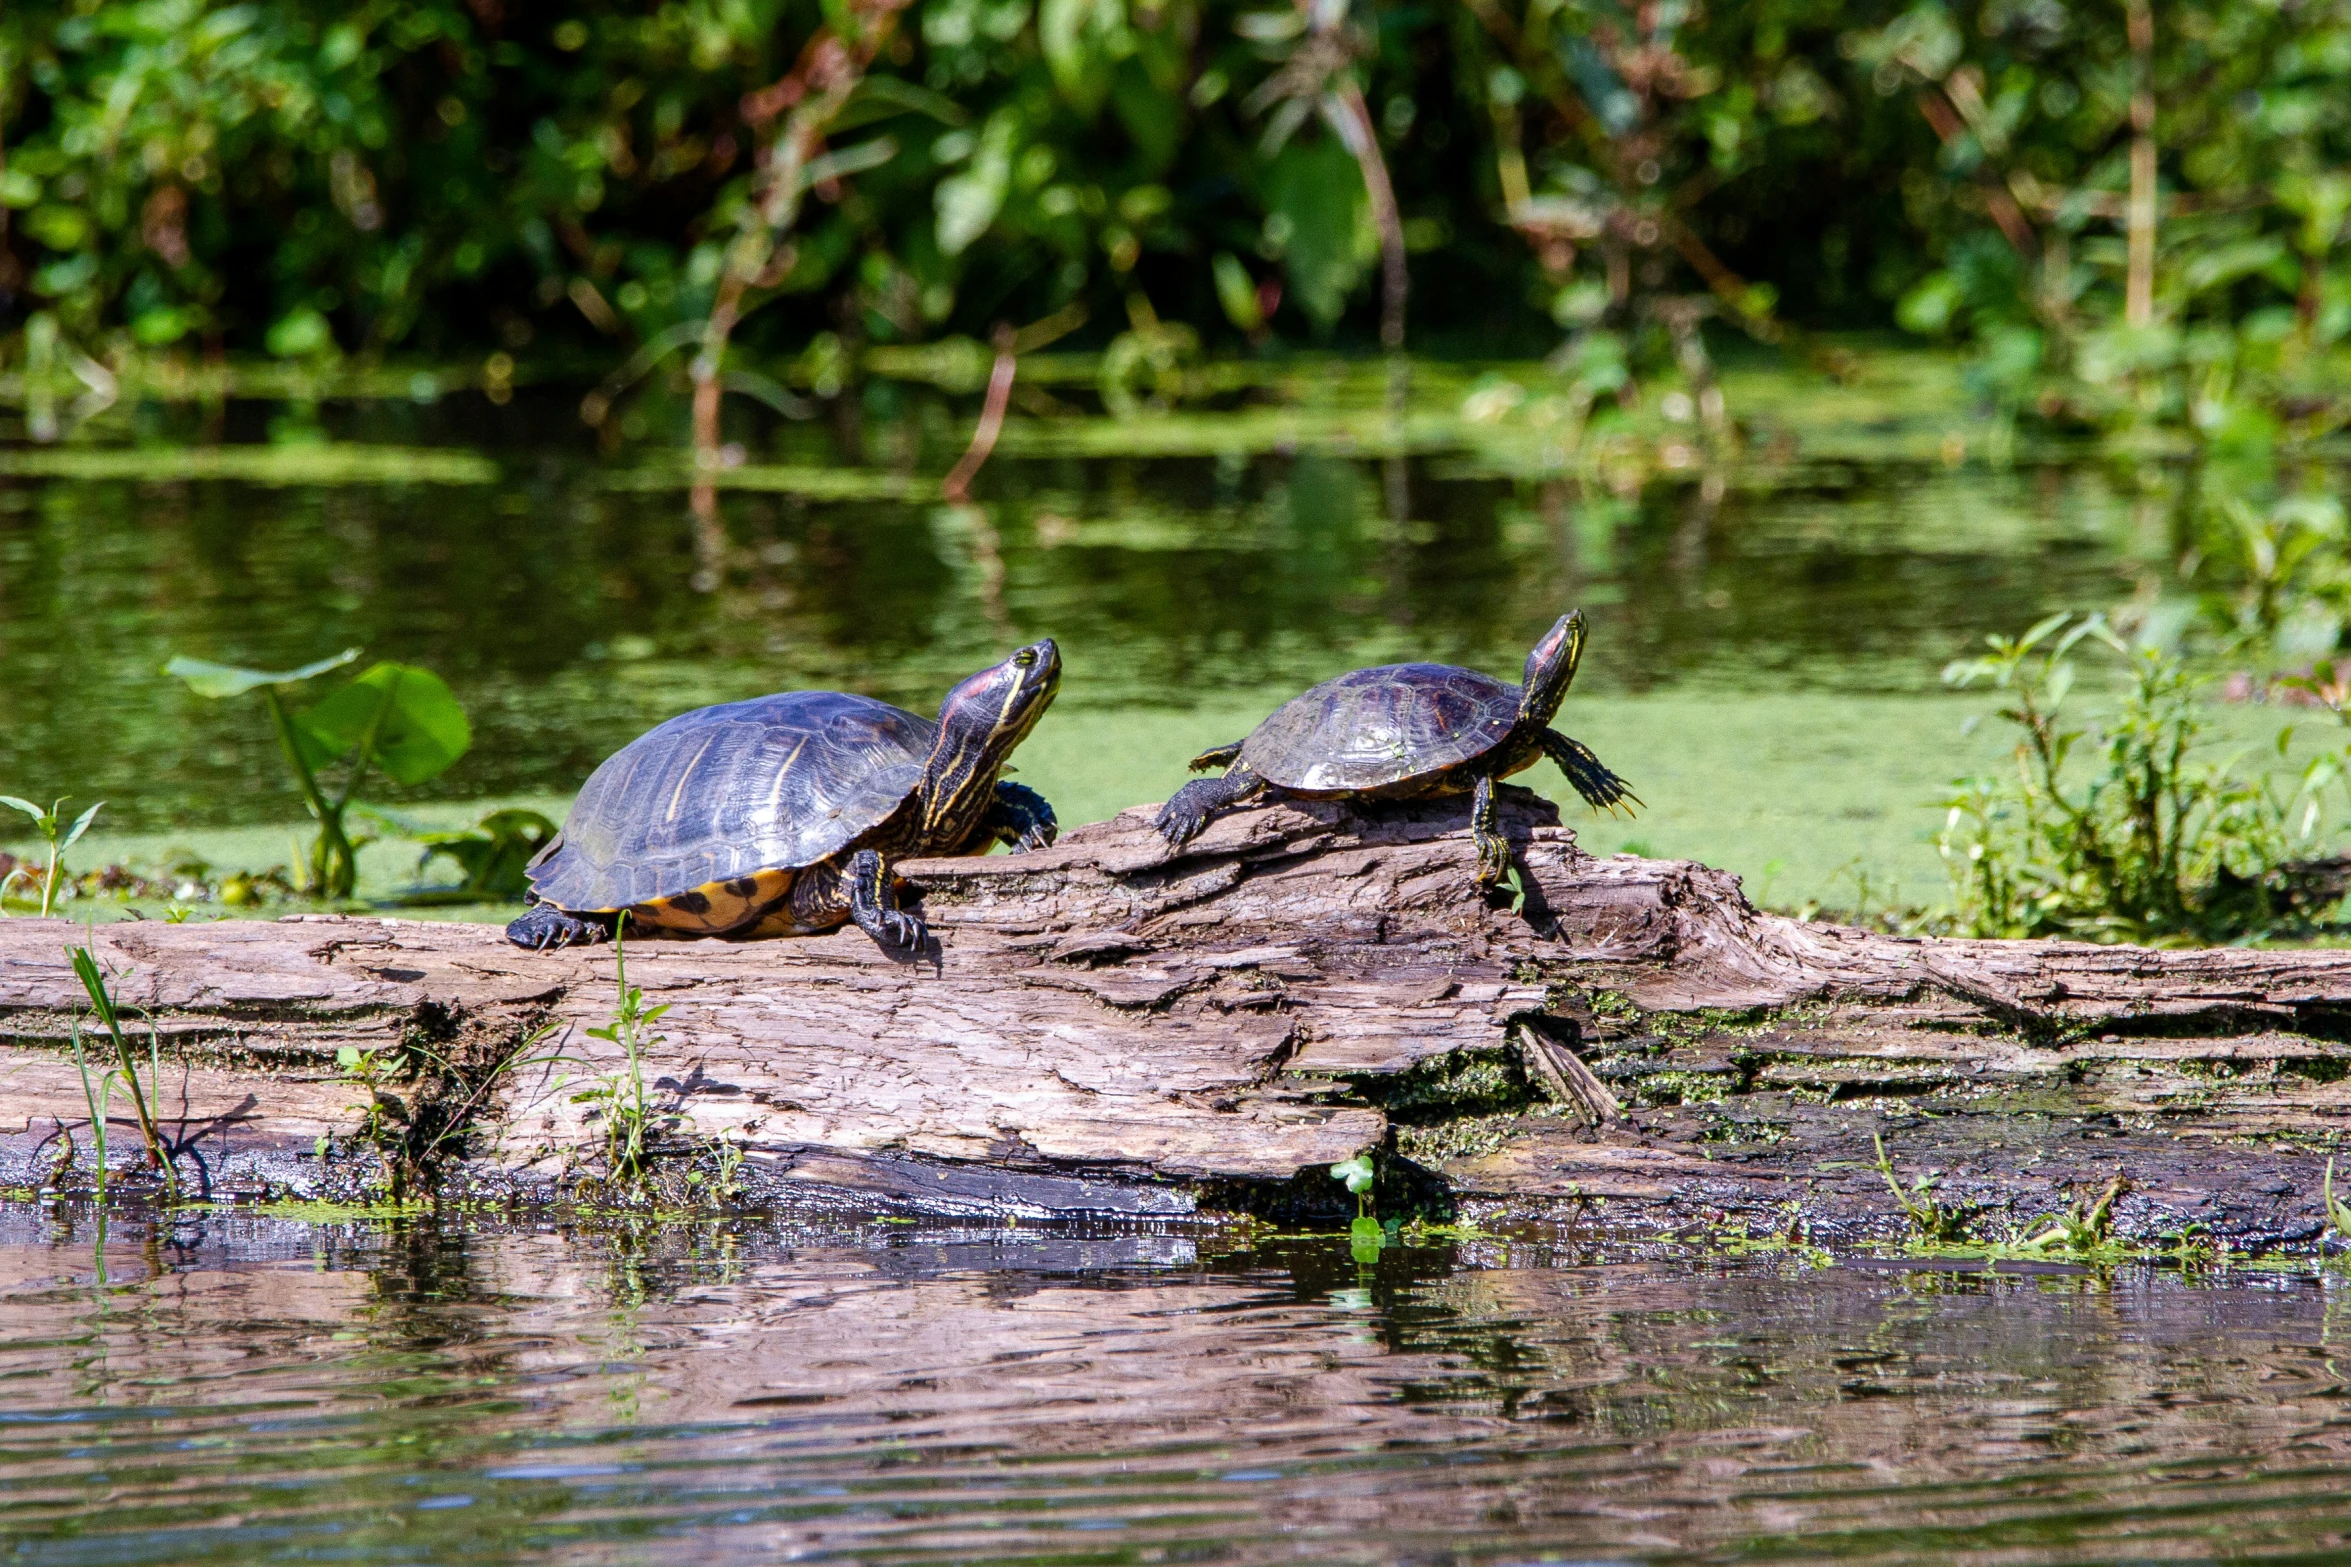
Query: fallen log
point(1104, 1027)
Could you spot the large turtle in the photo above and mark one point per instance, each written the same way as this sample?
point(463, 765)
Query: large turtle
point(781, 816)
point(1403, 731)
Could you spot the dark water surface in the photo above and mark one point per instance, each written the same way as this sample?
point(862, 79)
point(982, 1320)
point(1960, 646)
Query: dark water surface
point(243, 1389)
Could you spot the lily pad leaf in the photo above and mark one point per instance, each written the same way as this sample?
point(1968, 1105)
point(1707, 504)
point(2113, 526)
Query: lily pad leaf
point(402, 719)
point(208, 679)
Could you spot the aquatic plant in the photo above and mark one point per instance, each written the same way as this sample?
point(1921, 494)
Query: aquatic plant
point(2086, 1228)
point(493, 855)
point(1360, 1176)
point(396, 719)
point(383, 1119)
point(618, 1097)
point(1932, 1222)
point(2338, 1212)
point(98, 1095)
point(410, 1136)
point(159, 1152)
point(46, 824)
point(1366, 1235)
point(2154, 843)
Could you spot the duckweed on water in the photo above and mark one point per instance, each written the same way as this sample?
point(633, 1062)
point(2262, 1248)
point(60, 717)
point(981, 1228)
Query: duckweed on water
point(336, 464)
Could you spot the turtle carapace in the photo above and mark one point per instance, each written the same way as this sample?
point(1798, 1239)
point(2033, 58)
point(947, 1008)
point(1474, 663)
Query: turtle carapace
point(1406, 730)
point(783, 815)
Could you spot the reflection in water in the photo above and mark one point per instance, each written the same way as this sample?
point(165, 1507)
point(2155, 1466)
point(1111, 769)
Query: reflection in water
point(246, 1389)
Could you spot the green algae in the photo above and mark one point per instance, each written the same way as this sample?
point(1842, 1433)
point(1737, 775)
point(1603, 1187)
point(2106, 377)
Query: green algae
point(326, 465)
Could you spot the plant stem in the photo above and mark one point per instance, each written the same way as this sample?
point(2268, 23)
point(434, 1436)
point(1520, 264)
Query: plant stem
point(332, 846)
point(634, 1145)
point(86, 966)
point(100, 1103)
point(957, 485)
point(1354, 123)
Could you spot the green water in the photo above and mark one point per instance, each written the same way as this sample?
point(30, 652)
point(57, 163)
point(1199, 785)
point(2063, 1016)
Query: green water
point(1766, 636)
point(248, 1389)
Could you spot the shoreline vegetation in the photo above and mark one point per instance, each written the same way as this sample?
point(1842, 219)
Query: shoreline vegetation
point(2126, 222)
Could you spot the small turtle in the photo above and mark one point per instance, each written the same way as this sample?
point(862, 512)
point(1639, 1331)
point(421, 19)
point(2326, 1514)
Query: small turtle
point(781, 816)
point(1406, 730)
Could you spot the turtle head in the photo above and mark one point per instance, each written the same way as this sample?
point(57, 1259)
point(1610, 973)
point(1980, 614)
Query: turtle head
point(1550, 667)
point(979, 723)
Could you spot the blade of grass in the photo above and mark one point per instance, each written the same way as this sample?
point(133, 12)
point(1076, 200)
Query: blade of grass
point(102, 1002)
point(99, 1097)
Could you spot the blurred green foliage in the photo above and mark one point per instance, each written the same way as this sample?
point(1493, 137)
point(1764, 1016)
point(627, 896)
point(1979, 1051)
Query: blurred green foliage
point(435, 177)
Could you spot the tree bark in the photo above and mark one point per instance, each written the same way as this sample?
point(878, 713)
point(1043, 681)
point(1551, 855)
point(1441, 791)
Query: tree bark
point(1105, 1027)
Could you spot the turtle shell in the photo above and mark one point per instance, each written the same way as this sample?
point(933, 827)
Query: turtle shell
point(733, 794)
point(1376, 728)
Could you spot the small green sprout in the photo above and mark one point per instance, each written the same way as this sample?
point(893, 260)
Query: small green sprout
point(98, 1094)
point(1359, 1175)
point(1936, 1223)
point(619, 1096)
point(85, 966)
point(46, 824)
point(2338, 1211)
point(2088, 1228)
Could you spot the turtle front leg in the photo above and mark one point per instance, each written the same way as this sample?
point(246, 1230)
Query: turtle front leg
point(1019, 818)
point(873, 904)
point(1602, 790)
point(545, 927)
point(1199, 802)
point(1486, 833)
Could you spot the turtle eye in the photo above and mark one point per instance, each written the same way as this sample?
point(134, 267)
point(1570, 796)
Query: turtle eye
point(1026, 658)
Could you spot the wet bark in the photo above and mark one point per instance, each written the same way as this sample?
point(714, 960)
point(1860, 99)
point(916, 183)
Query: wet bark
point(1105, 1027)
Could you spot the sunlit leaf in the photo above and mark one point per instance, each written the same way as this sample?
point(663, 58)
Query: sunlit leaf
point(397, 718)
point(1316, 192)
point(1236, 291)
point(208, 679)
point(969, 201)
point(81, 824)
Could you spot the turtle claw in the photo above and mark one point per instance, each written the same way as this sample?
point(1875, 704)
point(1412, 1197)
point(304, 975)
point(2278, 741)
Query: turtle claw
point(1021, 819)
point(1191, 808)
point(545, 927)
point(1178, 825)
point(893, 930)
